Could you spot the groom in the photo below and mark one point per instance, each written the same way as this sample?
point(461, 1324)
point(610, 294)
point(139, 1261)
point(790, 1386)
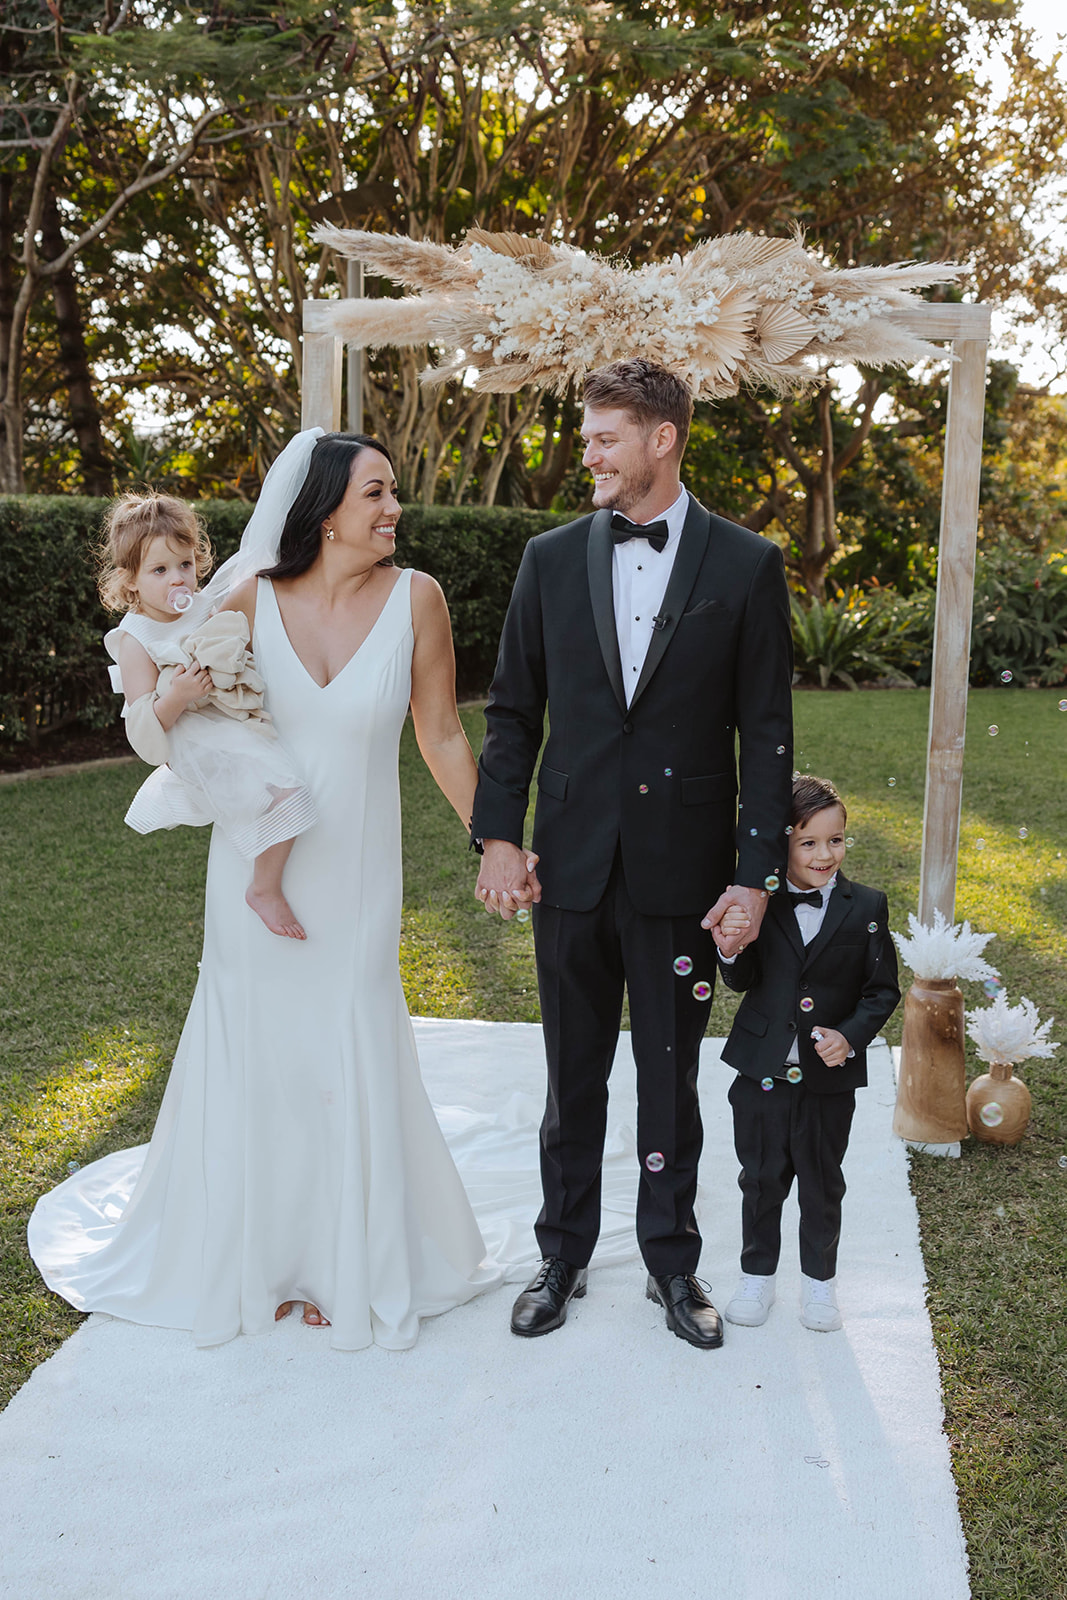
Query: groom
point(656, 635)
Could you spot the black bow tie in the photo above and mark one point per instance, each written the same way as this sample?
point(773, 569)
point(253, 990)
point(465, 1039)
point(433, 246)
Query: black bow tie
point(812, 898)
point(623, 529)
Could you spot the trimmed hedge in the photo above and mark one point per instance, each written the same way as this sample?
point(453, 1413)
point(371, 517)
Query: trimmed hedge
point(52, 659)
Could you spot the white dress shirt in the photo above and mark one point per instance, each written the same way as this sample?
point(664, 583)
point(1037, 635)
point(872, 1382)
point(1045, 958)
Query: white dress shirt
point(639, 577)
point(809, 921)
point(809, 918)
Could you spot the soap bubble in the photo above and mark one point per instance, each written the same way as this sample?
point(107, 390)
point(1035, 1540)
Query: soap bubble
point(768, 1083)
point(794, 1074)
point(753, 832)
point(668, 772)
point(992, 987)
point(807, 1004)
point(979, 844)
point(892, 783)
point(1062, 1163)
point(654, 1161)
point(179, 598)
point(999, 1211)
point(702, 991)
point(872, 927)
point(781, 749)
point(1024, 833)
point(1063, 705)
point(788, 831)
point(683, 966)
point(770, 883)
point(992, 730)
point(523, 915)
point(642, 788)
point(849, 843)
point(1005, 676)
point(74, 1166)
point(992, 1114)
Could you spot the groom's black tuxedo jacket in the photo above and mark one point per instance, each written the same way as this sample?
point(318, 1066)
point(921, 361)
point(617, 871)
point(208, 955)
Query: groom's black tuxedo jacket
point(658, 779)
point(848, 971)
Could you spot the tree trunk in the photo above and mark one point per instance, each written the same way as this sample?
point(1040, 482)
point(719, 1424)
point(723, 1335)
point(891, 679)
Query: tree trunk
point(84, 412)
point(10, 408)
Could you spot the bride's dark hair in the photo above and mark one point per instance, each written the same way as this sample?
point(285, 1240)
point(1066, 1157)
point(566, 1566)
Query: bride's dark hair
point(328, 476)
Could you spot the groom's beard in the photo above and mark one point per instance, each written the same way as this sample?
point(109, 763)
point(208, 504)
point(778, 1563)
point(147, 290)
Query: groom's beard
point(628, 489)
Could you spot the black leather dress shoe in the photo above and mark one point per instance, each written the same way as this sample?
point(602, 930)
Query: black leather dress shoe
point(542, 1305)
point(690, 1314)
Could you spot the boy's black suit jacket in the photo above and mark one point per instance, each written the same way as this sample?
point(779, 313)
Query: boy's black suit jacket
point(849, 970)
point(658, 779)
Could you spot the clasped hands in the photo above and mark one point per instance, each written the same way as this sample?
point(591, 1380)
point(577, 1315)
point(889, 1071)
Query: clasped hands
point(507, 881)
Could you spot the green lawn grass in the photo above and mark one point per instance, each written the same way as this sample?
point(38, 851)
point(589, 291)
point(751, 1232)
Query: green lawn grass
point(102, 934)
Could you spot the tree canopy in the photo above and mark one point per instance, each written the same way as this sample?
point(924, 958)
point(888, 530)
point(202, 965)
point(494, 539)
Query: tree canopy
point(161, 168)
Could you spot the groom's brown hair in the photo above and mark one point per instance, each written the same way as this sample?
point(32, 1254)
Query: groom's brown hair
point(650, 393)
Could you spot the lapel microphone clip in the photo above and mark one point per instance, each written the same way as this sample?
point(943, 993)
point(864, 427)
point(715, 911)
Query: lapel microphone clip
point(661, 622)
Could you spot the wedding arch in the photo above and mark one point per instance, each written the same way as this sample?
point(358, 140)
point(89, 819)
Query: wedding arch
point(510, 310)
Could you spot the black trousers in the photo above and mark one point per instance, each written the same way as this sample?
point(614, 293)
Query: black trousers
point(584, 961)
point(781, 1133)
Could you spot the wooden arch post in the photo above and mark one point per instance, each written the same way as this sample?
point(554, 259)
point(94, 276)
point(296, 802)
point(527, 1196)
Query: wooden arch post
point(928, 1111)
point(931, 1092)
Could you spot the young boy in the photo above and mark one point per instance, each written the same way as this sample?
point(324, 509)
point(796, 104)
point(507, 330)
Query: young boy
point(819, 982)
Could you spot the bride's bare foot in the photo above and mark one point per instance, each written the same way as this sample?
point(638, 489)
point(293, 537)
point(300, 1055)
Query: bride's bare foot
point(313, 1317)
point(275, 912)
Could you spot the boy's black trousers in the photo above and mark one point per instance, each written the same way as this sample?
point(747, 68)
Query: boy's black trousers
point(783, 1133)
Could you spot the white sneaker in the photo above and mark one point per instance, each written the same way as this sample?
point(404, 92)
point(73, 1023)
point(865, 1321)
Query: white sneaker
point(752, 1301)
point(818, 1305)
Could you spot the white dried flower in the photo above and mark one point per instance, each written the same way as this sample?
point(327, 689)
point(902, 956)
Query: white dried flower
point(1009, 1033)
point(944, 950)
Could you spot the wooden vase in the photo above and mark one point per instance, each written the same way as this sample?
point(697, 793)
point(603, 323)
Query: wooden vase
point(931, 1105)
point(998, 1106)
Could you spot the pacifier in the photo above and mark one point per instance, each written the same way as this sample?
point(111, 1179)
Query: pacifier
point(179, 598)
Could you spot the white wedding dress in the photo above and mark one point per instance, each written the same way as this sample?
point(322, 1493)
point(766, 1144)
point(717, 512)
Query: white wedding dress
point(296, 1155)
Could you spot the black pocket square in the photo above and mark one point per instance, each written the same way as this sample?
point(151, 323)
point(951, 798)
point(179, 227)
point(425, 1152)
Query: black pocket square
point(704, 605)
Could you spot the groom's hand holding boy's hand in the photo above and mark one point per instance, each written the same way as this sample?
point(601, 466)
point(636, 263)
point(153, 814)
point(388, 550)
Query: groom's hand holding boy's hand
point(507, 881)
point(732, 937)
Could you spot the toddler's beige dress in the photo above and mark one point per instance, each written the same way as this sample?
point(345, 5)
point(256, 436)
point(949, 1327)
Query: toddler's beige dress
point(222, 761)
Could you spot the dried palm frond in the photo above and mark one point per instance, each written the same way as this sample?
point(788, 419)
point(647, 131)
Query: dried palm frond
point(510, 310)
point(535, 252)
point(781, 332)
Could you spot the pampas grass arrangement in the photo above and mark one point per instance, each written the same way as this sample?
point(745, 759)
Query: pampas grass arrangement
point(738, 310)
point(998, 1103)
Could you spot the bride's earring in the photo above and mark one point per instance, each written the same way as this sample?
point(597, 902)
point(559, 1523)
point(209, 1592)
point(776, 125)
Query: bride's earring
point(329, 531)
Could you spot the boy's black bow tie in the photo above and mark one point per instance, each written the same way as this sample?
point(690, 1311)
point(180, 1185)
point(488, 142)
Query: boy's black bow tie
point(623, 529)
point(812, 898)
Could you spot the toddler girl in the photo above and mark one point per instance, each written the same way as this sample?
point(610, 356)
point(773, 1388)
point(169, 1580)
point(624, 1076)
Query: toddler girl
point(194, 702)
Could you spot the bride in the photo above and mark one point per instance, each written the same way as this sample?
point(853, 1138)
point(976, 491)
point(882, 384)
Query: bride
point(296, 1157)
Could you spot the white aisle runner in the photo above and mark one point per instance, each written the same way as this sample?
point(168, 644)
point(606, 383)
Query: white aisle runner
point(605, 1461)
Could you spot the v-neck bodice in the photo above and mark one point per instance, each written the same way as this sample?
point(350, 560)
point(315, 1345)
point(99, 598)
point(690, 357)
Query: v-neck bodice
point(403, 582)
point(343, 735)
